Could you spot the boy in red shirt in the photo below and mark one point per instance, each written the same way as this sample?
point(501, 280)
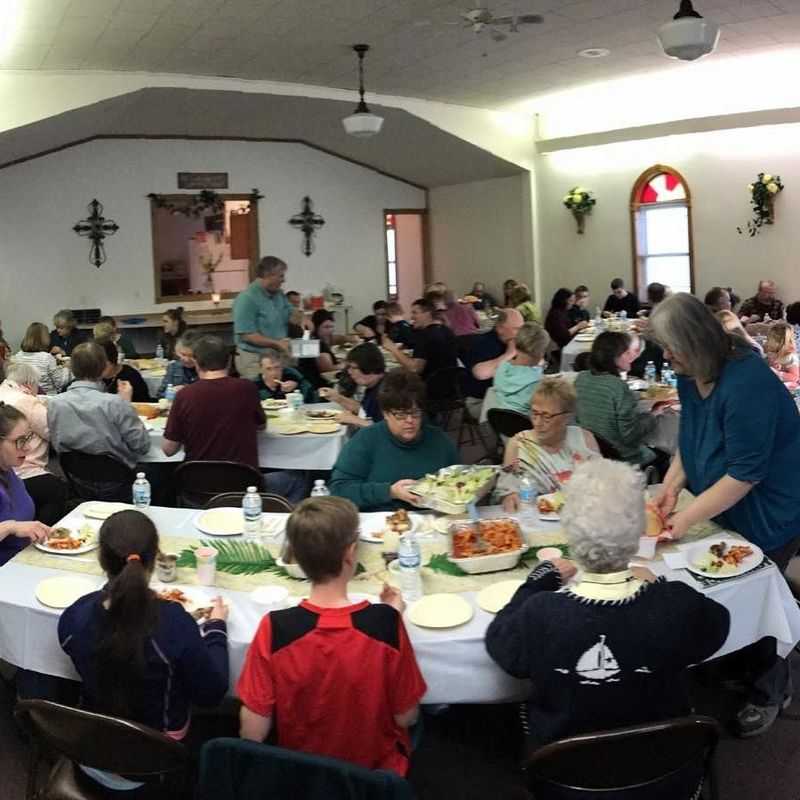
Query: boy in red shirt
point(336, 678)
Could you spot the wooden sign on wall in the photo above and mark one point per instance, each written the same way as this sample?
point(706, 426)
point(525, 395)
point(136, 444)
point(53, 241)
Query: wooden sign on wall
point(202, 180)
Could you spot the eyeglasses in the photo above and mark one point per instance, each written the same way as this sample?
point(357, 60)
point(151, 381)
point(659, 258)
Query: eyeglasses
point(545, 417)
point(402, 416)
point(21, 442)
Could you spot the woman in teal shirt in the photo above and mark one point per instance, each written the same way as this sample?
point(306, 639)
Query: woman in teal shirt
point(739, 454)
point(376, 469)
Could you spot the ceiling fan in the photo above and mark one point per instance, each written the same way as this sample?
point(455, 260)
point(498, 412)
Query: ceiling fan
point(481, 19)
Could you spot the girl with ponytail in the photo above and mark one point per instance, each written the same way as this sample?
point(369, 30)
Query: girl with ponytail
point(140, 657)
point(17, 527)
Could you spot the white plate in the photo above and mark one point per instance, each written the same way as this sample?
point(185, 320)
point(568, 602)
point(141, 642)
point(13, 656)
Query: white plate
point(442, 524)
point(64, 590)
point(496, 597)
point(91, 544)
point(552, 516)
point(376, 530)
point(100, 510)
point(220, 522)
point(585, 337)
point(697, 552)
point(195, 596)
point(440, 611)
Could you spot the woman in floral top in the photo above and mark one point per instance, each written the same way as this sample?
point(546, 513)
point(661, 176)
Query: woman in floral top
point(550, 452)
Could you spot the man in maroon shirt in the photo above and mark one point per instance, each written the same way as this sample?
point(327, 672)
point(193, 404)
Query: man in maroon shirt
point(335, 677)
point(218, 418)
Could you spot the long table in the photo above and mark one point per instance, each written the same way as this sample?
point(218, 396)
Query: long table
point(302, 451)
point(454, 662)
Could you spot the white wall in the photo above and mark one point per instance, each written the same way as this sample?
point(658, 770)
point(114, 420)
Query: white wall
point(44, 265)
point(717, 167)
point(481, 231)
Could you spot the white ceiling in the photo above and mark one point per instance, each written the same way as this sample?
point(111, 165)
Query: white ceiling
point(415, 53)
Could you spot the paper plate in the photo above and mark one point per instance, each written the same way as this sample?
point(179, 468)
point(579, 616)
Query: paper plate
point(497, 596)
point(289, 430)
point(551, 516)
point(697, 553)
point(585, 337)
point(64, 590)
point(220, 521)
point(195, 597)
point(440, 611)
point(323, 427)
point(86, 533)
point(376, 529)
point(102, 510)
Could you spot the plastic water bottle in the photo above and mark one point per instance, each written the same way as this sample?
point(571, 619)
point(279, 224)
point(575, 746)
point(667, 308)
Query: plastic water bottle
point(170, 393)
point(320, 489)
point(251, 510)
point(527, 502)
point(141, 491)
point(409, 557)
point(650, 373)
point(160, 352)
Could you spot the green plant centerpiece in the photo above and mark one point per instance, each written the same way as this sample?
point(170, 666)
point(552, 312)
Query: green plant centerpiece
point(580, 202)
point(762, 198)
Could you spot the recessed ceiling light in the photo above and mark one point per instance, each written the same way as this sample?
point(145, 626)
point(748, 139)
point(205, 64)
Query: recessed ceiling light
point(594, 52)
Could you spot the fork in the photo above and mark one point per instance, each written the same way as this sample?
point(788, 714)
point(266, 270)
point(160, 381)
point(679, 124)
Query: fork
point(480, 544)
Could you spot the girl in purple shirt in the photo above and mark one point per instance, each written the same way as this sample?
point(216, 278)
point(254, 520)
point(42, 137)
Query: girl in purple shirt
point(16, 507)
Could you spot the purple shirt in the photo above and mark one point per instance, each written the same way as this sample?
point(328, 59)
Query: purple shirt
point(16, 504)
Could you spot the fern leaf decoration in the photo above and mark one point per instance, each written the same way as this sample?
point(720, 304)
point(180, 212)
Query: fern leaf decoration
point(441, 563)
point(235, 558)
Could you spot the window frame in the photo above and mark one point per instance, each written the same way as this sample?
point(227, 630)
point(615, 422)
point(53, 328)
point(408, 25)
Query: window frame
point(639, 284)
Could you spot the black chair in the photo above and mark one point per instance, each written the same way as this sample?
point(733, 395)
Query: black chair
point(97, 477)
point(656, 761)
point(505, 422)
point(446, 399)
point(235, 769)
point(270, 503)
point(196, 482)
point(105, 743)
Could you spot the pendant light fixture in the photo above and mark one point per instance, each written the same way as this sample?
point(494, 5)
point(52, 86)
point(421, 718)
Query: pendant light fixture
point(688, 36)
point(362, 122)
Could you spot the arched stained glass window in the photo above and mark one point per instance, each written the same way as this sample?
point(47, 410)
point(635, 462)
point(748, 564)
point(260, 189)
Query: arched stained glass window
point(661, 222)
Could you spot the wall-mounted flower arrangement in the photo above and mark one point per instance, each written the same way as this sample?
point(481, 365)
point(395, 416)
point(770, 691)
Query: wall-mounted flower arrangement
point(762, 197)
point(580, 202)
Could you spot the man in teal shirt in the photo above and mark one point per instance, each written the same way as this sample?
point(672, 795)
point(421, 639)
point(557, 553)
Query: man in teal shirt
point(261, 316)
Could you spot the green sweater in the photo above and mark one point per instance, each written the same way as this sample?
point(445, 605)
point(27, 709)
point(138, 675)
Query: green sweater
point(373, 460)
point(607, 407)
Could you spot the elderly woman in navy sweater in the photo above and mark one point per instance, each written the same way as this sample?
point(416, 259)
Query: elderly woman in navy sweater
point(140, 657)
point(609, 649)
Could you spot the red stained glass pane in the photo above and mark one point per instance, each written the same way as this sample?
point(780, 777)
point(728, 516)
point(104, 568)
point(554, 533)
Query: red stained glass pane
point(662, 188)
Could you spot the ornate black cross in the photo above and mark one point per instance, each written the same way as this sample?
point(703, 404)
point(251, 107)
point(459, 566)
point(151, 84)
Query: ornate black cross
point(96, 227)
point(307, 222)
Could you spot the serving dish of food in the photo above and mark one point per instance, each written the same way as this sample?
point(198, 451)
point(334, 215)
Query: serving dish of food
point(550, 505)
point(64, 541)
point(452, 489)
point(500, 547)
point(147, 410)
point(724, 558)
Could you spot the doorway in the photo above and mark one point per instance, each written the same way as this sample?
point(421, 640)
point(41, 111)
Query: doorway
point(406, 245)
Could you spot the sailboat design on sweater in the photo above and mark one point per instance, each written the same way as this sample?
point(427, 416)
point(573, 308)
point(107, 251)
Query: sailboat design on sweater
point(598, 665)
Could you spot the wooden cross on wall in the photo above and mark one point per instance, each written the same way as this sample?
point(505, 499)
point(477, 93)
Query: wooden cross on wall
point(96, 227)
point(307, 222)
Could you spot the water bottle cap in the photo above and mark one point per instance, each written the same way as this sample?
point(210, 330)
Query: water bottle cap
point(319, 482)
point(251, 489)
point(140, 474)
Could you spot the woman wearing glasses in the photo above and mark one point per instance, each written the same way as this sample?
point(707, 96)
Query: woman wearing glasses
point(17, 527)
point(550, 452)
point(376, 468)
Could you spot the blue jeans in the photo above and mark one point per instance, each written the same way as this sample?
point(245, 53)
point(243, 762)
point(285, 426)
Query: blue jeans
point(290, 484)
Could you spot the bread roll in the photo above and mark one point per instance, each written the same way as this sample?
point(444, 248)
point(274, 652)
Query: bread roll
point(653, 523)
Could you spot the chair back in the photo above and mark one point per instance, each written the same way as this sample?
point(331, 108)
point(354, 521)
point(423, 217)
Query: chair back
point(97, 477)
point(196, 482)
point(235, 769)
point(607, 450)
point(505, 422)
point(270, 503)
point(665, 760)
point(103, 742)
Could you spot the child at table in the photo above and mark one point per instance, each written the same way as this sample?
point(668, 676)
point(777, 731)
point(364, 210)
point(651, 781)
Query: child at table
point(781, 353)
point(338, 678)
point(141, 657)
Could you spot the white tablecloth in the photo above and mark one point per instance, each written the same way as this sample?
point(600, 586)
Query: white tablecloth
point(569, 353)
point(153, 381)
point(303, 451)
point(454, 662)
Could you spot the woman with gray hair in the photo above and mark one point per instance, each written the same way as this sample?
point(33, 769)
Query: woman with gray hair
point(516, 379)
point(49, 494)
point(739, 455)
point(65, 336)
point(610, 648)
